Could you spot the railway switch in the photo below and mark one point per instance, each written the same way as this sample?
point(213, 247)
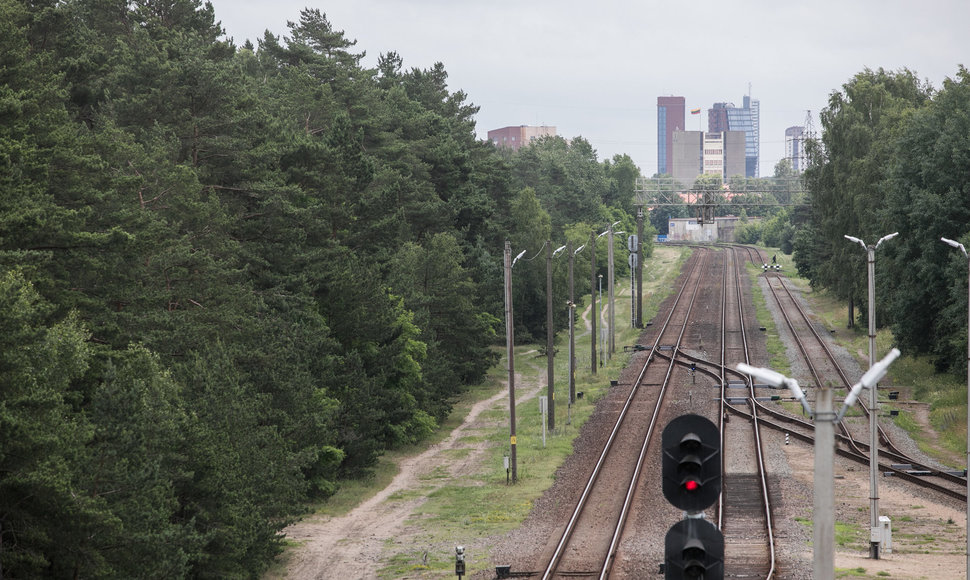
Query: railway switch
point(691, 463)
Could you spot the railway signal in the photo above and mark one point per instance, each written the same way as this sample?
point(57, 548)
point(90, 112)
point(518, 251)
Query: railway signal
point(694, 548)
point(460, 561)
point(691, 463)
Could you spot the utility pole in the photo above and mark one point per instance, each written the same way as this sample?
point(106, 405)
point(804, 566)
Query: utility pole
point(639, 318)
point(572, 335)
point(593, 313)
point(960, 247)
point(611, 318)
point(550, 341)
point(510, 343)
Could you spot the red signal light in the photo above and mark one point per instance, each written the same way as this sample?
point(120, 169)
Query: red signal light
point(692, 485)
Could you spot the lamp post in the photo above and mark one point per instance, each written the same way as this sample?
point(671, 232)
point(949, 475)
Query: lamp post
point(572, 334)
point(638, 321)
point(550, 337)
point(510, 344)
point(611, 311)
point(594, 312)
point(959, 246)
point(823, 538)
point(600, 315)
point(592, 295)
point(873, 397)
point(633, 260)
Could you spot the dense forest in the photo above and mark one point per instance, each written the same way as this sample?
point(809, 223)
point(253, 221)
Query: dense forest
point(894, 156)
point(231, 276)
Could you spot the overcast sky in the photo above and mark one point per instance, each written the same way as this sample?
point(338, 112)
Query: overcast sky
point(595, 68)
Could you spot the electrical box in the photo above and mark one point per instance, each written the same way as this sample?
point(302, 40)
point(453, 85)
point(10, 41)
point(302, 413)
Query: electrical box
point(886, 535)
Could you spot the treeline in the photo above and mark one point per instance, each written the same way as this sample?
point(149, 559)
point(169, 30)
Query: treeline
point(231, 276)
point(894, 156)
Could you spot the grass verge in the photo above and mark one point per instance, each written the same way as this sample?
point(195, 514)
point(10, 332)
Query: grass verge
point(482, 505)
point(942, 398)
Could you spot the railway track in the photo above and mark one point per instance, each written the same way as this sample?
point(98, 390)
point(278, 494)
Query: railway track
point(687, 365)
point(589, 540)
point(824, 366)
point(744, 512)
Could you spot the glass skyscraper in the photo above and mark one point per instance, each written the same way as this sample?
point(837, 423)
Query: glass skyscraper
point(670, 118)
point(727, 117)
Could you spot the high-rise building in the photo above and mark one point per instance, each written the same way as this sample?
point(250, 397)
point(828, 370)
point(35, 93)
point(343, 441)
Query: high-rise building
point(518, 136)
point(727, 117)
point(795, 147)
point(670, 118)
point(695, 153)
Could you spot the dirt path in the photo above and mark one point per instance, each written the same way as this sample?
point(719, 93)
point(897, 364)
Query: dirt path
point(351, 546)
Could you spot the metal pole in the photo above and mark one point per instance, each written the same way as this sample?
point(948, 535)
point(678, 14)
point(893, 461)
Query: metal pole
point(550, 341)
point(572, 335)
point(968, 411)
point(510, 343)
point(592, 293)
point(639, 323)
point(873, 413)
point(958, 245)
point(823, 563)
point(611, 311)
point(874, 530)
point(603, 339)
point(633, 297)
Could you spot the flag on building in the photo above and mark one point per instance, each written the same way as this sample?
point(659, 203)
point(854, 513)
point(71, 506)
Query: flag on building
point(695, 111)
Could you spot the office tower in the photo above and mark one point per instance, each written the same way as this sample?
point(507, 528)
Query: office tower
point(670, 118)
point(727, 117)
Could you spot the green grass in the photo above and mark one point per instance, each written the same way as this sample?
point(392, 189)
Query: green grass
point(850, 573)
point(913, 376)
point(777, 354)
point(483, 505)
point(847, 536)
point(851, 537)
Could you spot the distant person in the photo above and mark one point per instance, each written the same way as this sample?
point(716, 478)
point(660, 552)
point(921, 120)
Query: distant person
point(773, 261)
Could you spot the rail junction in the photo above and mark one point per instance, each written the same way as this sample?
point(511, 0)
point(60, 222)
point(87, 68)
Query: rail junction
point(612, 524)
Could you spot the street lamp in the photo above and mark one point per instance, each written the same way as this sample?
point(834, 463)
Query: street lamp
point(959, 246)
point(510, 344)
point(611, 347)
point(550, 336)
point(873, 397)
point(593, 307)
point(572, 334)
point(823, 563)
point(600, 315)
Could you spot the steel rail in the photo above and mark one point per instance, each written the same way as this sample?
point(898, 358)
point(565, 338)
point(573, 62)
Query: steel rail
point(755, 421)
point(884, 438)
point(554, 562)
point(860, 458)
point(634, 481)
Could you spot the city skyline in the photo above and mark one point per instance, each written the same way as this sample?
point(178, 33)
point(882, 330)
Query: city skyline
point(597, 73)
